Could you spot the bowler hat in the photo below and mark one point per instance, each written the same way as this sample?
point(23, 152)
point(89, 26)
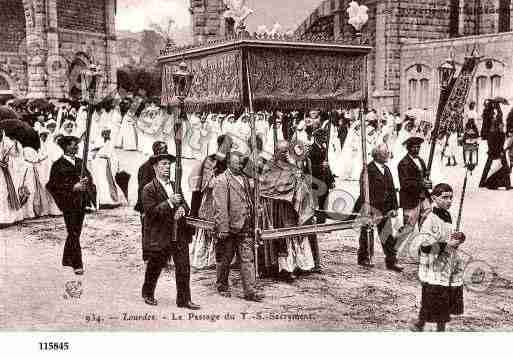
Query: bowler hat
point(162, 156)
point(64, 141)
point(413, 140)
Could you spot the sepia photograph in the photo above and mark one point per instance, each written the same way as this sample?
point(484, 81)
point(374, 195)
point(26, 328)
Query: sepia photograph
point(256, 166)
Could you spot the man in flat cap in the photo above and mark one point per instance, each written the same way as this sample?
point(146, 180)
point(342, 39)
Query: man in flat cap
point(234, 221)
point(72, 194)
point(163, 209)
point(414, 182)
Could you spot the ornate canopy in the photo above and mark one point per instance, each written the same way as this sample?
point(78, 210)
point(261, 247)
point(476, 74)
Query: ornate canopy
point(285, 74)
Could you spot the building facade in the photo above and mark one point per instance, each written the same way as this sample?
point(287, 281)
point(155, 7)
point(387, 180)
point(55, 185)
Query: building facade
point(44, 45)
point(208, 22)
point(411, 39)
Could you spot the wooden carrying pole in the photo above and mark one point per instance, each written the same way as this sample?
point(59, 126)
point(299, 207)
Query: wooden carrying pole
point(256, 197)
point(368, 229)
point(444, 93)
point(90, 93)
point(462, 199)
point(178, 165)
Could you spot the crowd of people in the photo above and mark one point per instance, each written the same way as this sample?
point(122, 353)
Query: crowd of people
point(297, 159)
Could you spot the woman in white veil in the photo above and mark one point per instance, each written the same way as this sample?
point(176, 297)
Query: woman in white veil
point(128, 138)
point(335, 152)
point(81, 121)
point(116, 120)
point(214, 127)
point(10, 207)
point(351, 154)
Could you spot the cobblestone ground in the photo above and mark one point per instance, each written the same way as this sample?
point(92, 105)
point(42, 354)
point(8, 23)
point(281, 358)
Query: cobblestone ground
point(344, 297)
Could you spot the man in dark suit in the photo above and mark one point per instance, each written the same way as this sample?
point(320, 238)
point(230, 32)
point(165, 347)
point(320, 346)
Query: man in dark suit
point(163, 209)
point(415, 183)
point(146, 173)
point(233, 217)
point(72, 193)
point(322, 181)
point(383, 203)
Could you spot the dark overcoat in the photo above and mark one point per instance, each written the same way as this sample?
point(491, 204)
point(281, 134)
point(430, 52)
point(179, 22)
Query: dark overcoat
point(317, 155)
point(159, 222)
point(63, 176)
point(145, 175)
point(411, 179)
point(382, 193)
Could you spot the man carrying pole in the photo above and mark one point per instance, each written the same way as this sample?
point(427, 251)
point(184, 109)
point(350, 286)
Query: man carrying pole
point(71, 185)
point(234, 217)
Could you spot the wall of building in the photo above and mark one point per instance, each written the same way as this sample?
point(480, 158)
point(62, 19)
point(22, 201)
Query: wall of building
point(71, 14)
point(207, 20)
point(42, 40)
point(396, 24)
point(391, 23)
point(12, 25)
point(494, 75)
point(13, 70)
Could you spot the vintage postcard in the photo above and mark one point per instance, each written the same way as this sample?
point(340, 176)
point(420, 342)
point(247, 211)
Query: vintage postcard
point(226, 165)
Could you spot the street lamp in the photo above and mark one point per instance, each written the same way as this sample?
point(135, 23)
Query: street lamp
point(90, 78)
point(470, 159)
point(445, 75)
point(182, 81)
point(89, 81)
point(470, 155)
point(446, 72)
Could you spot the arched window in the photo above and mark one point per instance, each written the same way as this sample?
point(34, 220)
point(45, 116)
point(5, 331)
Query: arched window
point(495, 86)
point(424, 94)
point(412, 93)
point(482, 92)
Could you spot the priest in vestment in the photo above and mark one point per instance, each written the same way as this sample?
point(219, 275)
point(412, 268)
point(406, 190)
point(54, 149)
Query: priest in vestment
point(288, 202)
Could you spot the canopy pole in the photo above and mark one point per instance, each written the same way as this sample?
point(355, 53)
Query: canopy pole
point(256, 189)
point(368, 229)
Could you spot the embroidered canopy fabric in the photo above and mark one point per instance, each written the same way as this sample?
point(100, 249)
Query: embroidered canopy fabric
point(285, 75)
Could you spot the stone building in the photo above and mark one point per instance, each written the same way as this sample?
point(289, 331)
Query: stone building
point(45, 43)
point(412, 38)
point(208, 22)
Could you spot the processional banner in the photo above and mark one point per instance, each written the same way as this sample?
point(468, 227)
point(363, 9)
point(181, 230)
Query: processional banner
point(453, 111)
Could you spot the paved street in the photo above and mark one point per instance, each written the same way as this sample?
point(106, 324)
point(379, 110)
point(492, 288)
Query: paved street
point(345, 297)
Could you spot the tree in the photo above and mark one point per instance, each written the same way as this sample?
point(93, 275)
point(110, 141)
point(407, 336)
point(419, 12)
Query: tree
point(140, 80)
